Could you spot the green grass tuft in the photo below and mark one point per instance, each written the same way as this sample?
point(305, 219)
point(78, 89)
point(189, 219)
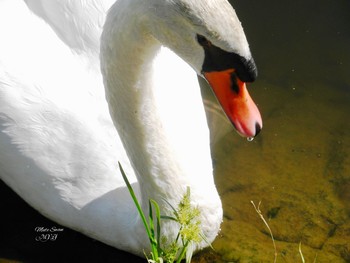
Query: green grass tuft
point(185, 215)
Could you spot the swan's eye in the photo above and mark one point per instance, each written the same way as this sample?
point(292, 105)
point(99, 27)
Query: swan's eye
point(203, 41)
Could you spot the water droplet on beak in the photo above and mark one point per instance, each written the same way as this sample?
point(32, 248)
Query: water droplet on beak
point(249, 139)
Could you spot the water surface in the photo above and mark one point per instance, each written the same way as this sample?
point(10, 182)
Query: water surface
point(299, 166)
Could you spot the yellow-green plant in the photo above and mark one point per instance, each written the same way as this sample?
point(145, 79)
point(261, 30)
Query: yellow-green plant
point(187, 216)
point(257, 209)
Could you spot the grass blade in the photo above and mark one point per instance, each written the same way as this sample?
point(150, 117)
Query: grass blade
point(301, 253)
point(169, 218)
point(157, 211)
point(257, 209)
point(139, 209)
point(151, 228)
point(182, 253)
point(173, 208)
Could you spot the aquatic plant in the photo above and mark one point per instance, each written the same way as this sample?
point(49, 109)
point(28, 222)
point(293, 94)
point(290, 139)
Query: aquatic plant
point(185, 215)
point(257, 209)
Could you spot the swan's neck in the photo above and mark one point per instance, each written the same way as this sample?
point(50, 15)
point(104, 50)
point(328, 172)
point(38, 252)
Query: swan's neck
point(165, 163)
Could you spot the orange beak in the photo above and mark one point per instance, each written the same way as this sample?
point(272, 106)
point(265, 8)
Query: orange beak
point(236, 102)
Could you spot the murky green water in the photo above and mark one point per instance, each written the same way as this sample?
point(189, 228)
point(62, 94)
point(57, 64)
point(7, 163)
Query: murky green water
point(298, 167)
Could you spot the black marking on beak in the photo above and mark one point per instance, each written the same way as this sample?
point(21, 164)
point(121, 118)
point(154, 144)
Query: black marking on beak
point(234, 85)
point(257, 129)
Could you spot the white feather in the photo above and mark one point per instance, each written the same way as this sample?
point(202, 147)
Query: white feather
point(59, 147)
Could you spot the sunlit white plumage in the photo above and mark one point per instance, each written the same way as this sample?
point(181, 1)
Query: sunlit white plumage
point(59, 147)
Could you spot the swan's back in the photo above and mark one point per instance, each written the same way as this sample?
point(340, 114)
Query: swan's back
point(78, 23)
point(59, 148)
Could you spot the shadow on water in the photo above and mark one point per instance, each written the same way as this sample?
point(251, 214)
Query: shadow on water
point(24, 237)
point(298, 167)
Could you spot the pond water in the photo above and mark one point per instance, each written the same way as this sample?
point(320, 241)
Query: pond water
point(298, 166)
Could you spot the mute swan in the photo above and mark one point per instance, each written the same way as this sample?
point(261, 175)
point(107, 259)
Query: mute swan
point(59, 147)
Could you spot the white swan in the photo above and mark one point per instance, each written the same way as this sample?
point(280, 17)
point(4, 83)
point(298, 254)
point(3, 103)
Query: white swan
point(59, 148)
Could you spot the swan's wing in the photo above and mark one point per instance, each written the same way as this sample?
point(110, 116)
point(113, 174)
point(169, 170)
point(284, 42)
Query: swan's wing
point(56, 136)
point(58, 147)
point(78, 23)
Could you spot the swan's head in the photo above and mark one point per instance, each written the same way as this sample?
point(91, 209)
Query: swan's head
point(209, 37)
